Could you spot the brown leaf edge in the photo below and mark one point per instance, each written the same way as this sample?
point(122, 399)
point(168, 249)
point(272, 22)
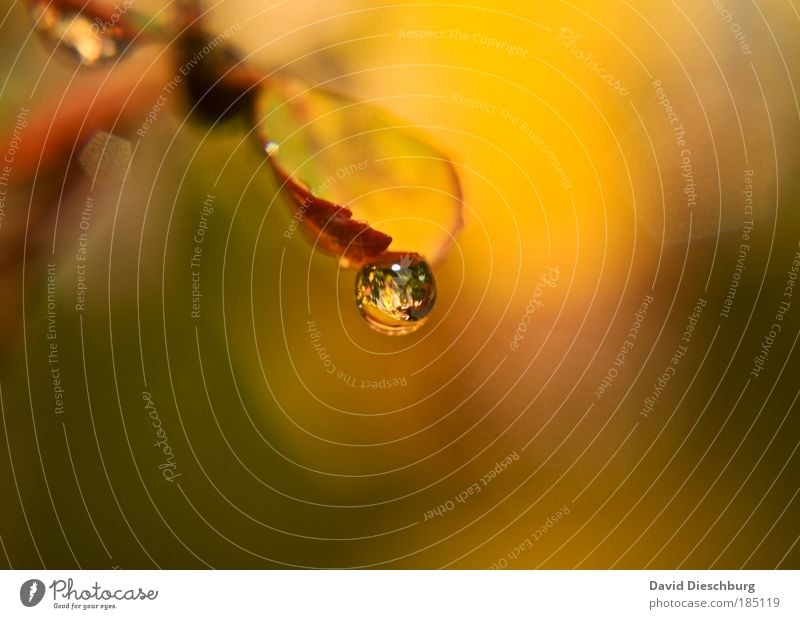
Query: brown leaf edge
point(331, 227)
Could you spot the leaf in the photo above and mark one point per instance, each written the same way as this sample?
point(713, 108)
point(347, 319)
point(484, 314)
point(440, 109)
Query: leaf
point(369, 176)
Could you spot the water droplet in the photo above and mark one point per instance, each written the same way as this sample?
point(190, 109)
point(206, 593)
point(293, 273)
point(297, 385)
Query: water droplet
point(396, 295)
point(271, 148)
point(90, 40)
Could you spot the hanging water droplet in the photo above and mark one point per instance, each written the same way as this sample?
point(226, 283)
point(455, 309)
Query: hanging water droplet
point(90, 39)
point(271, 148)
point(396, 295)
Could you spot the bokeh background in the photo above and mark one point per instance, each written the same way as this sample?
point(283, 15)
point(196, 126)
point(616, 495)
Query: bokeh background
point(525, 425)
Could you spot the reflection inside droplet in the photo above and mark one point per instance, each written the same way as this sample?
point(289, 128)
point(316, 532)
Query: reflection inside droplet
point(91, 41)
point(396, 295)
